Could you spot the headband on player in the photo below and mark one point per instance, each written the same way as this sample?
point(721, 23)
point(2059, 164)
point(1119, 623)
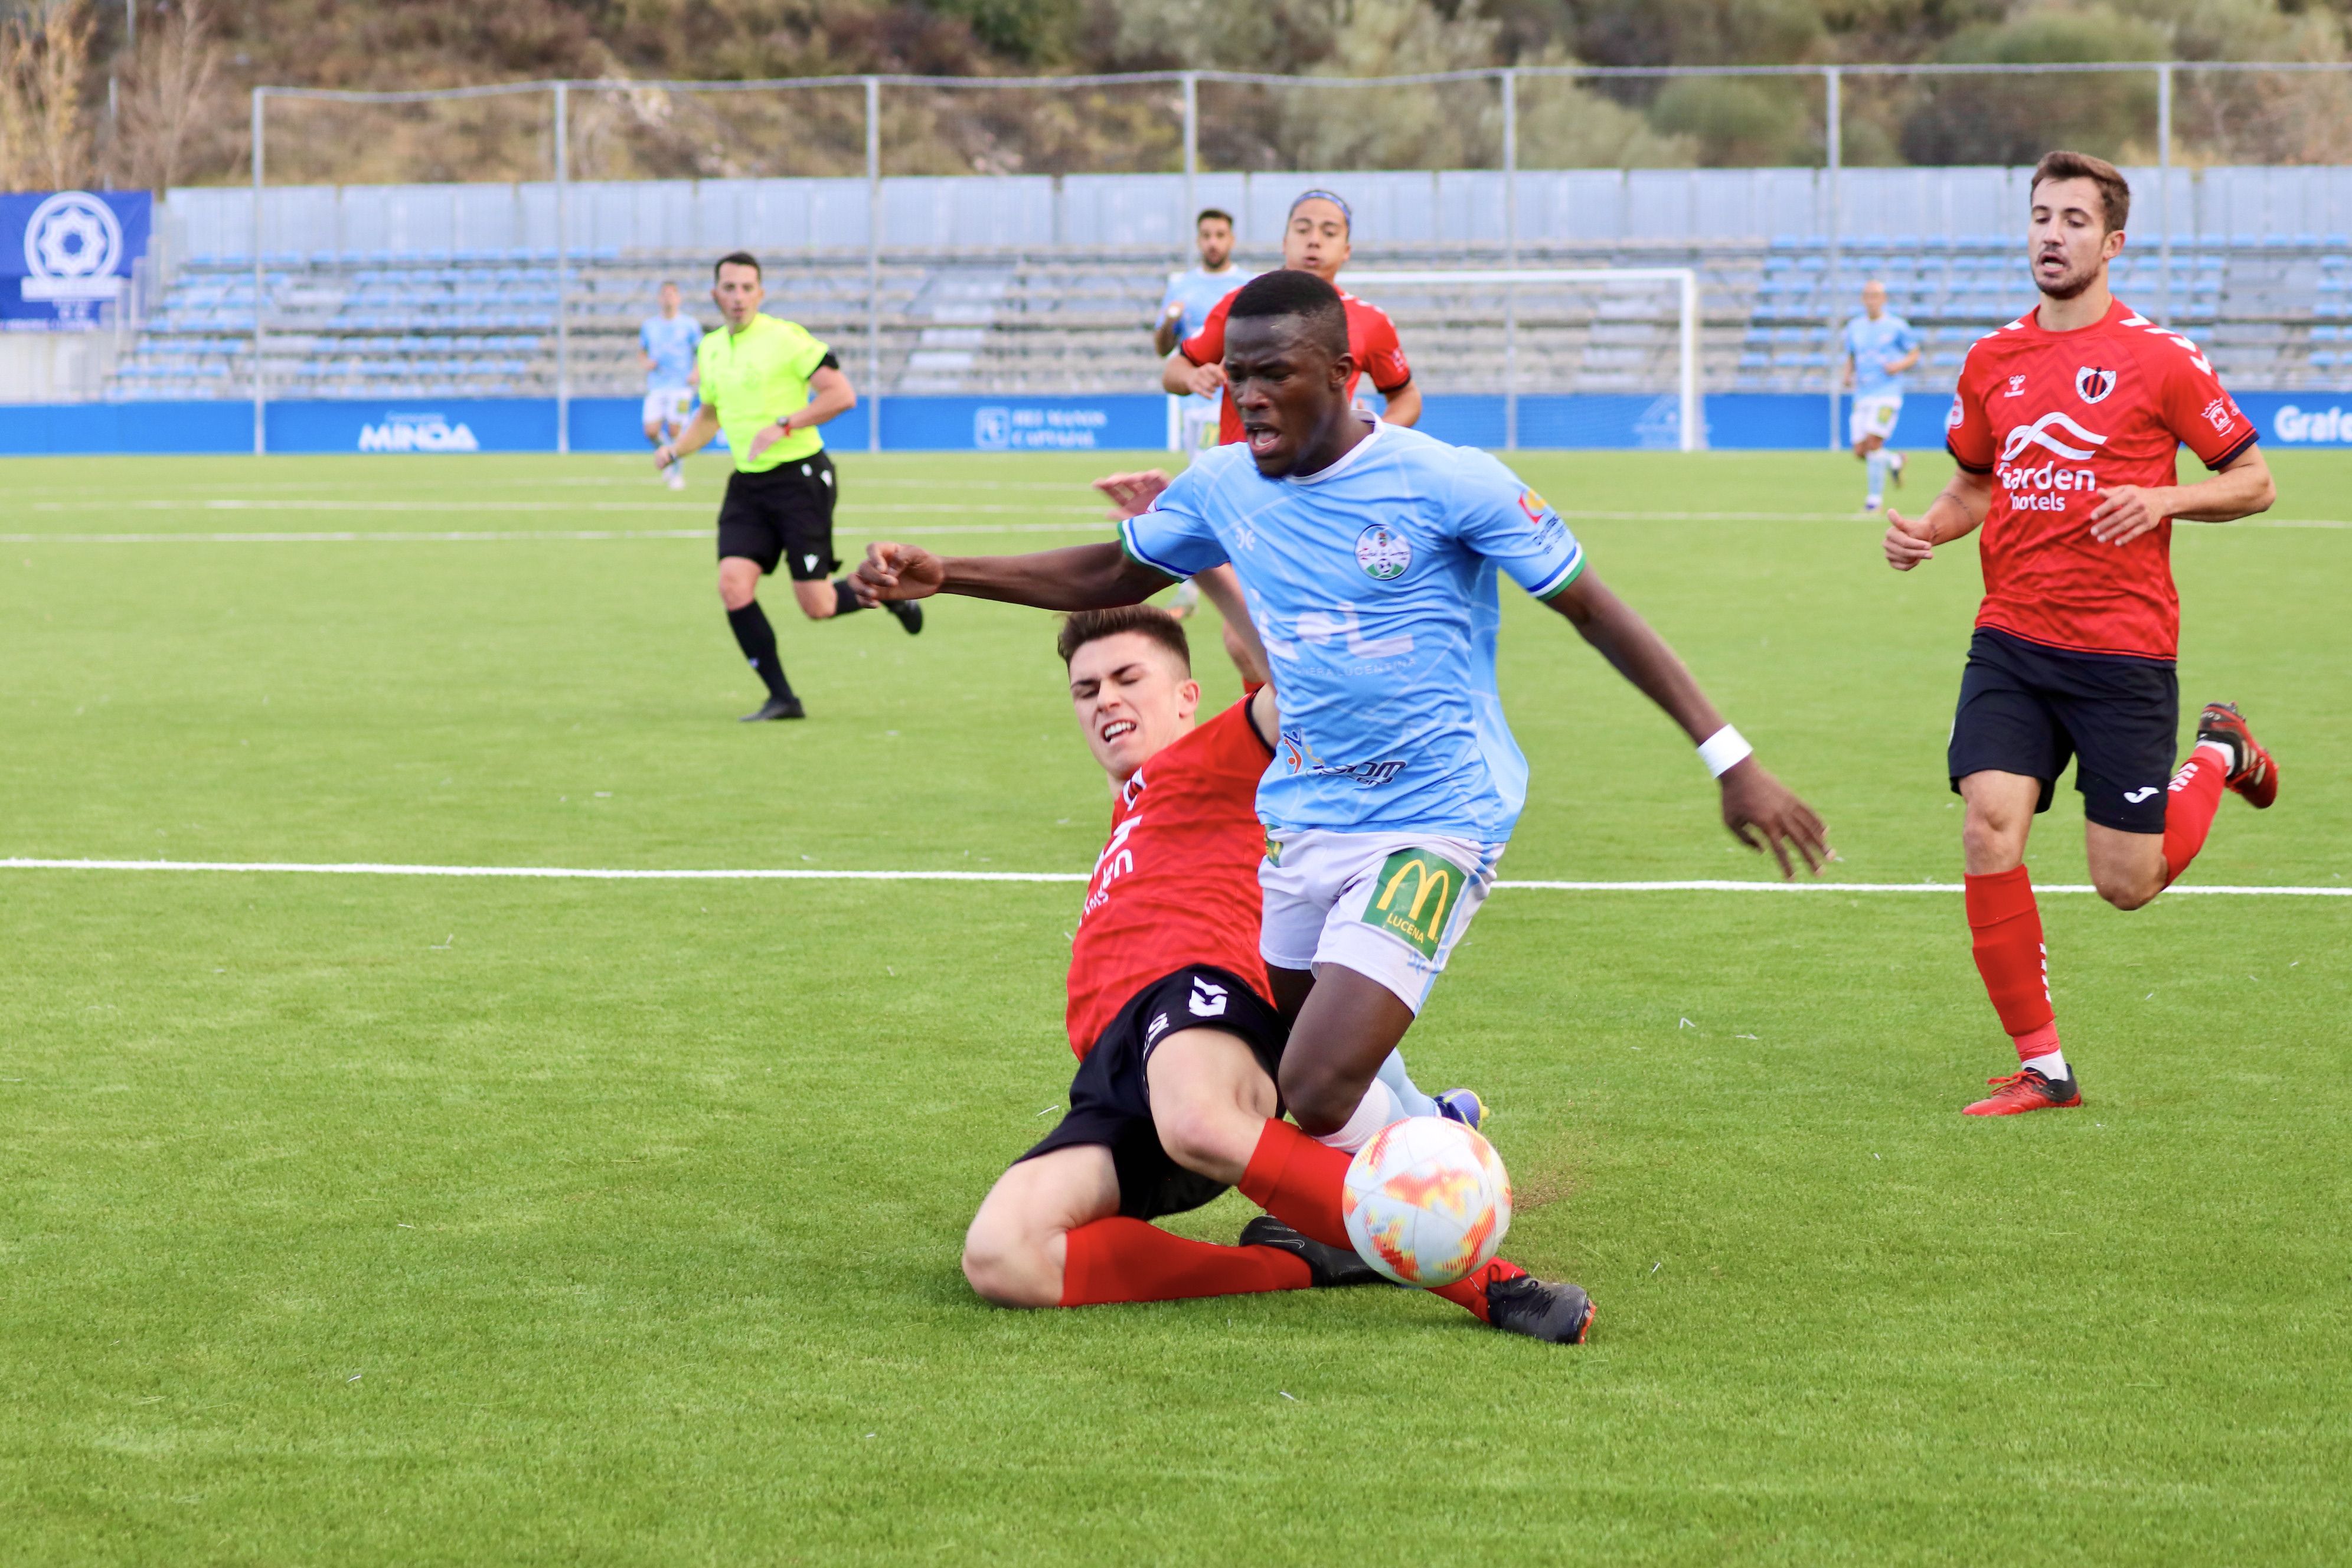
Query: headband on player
point(1346, 215)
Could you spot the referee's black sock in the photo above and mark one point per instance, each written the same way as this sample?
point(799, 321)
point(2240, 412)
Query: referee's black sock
point(845, 602)
point(757, 639)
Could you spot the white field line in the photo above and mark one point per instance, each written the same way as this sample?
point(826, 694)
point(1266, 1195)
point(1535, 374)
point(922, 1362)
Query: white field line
point(488, 536)
point(781, 874)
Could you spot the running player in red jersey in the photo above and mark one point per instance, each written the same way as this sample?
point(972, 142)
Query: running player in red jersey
point(1177, 1046)
point(1317, 241)
point(2066, 429)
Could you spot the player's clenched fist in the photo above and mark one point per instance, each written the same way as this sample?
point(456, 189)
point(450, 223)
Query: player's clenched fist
point(1909, 540)
point(898, 571)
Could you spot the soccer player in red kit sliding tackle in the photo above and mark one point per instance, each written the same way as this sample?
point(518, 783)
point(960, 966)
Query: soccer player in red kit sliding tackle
point(1178, 1042)
point(2066, 429)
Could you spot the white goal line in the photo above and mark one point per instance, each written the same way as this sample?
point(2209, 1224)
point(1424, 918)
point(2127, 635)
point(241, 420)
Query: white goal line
point(797, 874)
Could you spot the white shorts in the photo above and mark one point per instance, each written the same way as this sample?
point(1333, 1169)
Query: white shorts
point(1389, 905)
point(668, 405)
point(1874, 416)
point(1197, 421)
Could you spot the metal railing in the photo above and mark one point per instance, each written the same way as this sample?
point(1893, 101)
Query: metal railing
point(1507, 82)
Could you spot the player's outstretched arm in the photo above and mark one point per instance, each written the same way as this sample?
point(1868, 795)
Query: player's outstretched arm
point(1760, 811)
point(1954, 514)
point(1083, 577)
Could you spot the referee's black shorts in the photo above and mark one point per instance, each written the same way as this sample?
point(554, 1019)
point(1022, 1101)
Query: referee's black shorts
point(784, 514)
point(1111, 1097)
point(2029, 709)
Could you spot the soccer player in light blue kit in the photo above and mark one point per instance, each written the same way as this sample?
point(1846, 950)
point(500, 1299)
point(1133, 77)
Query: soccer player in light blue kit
point(1879, 348)
point(1370, 555)
point(1185, 308)
point(665, 346)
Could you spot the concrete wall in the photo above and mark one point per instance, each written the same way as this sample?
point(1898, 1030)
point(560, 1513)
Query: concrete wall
point(1035, 213)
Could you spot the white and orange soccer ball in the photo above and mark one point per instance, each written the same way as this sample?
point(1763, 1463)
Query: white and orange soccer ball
point(1426, 1202)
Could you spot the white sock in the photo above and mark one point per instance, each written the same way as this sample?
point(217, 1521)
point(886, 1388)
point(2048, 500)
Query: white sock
point(2052, 1067)
point(1408, 1093)
point(1895, 461)
point(1375, 1110)
point(2223, 750)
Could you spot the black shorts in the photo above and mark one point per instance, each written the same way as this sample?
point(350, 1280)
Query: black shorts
point(784, 514)
point(2026, 708)
point(1110, 1101)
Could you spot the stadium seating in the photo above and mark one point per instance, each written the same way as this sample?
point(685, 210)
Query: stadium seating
point(2270, 310)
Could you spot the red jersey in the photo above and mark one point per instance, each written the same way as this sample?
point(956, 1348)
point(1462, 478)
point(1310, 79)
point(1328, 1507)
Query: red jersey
point(2055, 417)
point(1176, 884)
point(1371, 339)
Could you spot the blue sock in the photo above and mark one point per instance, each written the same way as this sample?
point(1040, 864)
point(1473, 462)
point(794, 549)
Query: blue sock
point(1400, 1084)
point(1875, 466)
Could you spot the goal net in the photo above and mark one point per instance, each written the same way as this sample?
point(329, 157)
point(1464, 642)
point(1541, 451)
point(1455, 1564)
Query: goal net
point(1548, 356)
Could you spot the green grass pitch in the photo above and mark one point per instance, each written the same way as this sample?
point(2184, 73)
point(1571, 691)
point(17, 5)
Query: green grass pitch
point(367, 1219)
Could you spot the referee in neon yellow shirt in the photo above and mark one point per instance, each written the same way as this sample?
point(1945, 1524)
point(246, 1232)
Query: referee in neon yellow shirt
point(769, 384)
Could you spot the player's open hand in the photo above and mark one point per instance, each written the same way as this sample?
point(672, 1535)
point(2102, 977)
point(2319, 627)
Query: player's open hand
point(1763, 813)
point(769, 433)
point(898, 571)
point(1909, 540)
point(2125, 514)
point(1131, 495)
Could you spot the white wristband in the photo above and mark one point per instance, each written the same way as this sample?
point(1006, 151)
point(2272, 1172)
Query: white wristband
point(1724, 750)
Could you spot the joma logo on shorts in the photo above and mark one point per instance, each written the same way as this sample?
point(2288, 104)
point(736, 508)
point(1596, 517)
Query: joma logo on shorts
point(1413, 895)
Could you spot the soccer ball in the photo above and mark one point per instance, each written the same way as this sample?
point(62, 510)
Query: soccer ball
point(1426, 1202)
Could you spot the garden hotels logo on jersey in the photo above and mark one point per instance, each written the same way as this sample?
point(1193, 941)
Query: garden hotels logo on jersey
point(417, 433)
point(2329, 427)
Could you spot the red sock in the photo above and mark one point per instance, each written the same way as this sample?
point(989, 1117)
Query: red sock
point(1470, 1291)
point(1122, 1260)
point(1298, 1181)
point(2188, 808)
point(2005, 924)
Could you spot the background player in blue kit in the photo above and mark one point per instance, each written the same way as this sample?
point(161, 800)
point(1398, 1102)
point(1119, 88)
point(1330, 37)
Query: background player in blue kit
point(1185, 308)
point(665, 345)
point(1879, 347)
point(1370, 554)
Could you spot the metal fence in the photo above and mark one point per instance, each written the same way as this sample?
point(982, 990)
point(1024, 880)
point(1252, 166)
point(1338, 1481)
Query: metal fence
point(1192, 124)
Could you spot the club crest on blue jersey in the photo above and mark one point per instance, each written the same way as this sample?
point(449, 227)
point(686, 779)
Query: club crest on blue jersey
point(1383, 552)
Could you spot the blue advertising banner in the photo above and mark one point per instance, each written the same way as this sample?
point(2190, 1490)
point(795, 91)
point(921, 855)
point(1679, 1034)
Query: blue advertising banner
point(1735, 421)
point(65, 253)
point(1112, 423)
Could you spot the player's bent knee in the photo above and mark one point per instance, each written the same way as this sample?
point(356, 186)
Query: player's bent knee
point(1008, 1269)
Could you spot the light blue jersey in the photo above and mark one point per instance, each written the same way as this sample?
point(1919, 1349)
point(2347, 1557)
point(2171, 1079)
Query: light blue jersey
point(1874, 344)
point(670, 342)
point(1373, 586)
point(1199, 292)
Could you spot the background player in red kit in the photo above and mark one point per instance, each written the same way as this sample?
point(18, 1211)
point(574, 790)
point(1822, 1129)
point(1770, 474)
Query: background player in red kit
point(1177, 1046)
point(2066, 427)
point(1315, 240)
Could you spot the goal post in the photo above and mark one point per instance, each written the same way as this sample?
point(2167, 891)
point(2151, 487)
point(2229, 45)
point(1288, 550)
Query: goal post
point(1470, 329)
point(1691, 432)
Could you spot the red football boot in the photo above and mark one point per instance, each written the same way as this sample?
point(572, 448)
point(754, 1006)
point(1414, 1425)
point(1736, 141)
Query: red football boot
point(2255, 776)
point(2023, 1090)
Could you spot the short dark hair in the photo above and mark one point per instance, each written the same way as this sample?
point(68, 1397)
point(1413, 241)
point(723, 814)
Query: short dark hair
point(2115, 190)
point(736, 258)
point(1093, 625)
point(1290, 291)
point(1205, 214)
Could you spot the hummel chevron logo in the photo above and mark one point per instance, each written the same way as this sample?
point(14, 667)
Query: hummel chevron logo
point(2038, 435)
point(1208, 999)
point(2137, 796)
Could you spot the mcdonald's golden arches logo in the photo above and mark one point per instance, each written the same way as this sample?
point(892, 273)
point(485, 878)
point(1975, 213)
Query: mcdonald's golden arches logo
point(1415, 891)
